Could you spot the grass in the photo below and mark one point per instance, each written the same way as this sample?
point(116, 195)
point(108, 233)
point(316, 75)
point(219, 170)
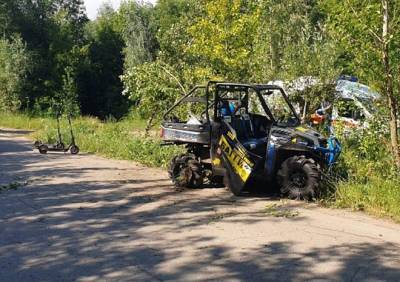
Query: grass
point(119, 140)
point(379, 197)
point(279, 210)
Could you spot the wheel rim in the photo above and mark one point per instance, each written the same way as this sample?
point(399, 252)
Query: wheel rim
point(299, 179)
point(183, 175)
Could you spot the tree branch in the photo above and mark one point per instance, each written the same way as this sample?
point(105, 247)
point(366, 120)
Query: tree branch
point(174, 77)
point(374, 34)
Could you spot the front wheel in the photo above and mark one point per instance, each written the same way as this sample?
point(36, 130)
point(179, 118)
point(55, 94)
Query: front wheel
point(74, 150)
point(299, 178)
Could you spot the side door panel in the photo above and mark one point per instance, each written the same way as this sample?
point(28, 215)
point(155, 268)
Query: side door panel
point(237, 161)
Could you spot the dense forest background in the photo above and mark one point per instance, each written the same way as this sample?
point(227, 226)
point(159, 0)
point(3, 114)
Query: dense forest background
point(50, 53)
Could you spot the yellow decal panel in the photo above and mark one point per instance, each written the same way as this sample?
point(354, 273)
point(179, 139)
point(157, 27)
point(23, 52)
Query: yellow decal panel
point(302, 129)
point(230, 135)
point(237, 158)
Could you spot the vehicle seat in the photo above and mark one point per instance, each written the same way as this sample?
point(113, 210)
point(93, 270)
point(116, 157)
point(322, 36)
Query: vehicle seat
point(247, 137)
point(257, 146)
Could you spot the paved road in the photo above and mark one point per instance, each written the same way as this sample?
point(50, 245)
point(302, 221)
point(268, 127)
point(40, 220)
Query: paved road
point(86, 218)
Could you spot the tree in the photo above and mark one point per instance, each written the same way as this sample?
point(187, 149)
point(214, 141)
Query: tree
point(153, 88)
point(14, 66)
point(389, 87)
point(291, 42)
point(367, 31)
point(99, 81)
point(222, 37)
point(53, 33)
point(68, 94)
point(138, 33)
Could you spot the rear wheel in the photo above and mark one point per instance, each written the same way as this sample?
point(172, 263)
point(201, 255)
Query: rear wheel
point(299, 178)
point(37, 144)
point(185, 171)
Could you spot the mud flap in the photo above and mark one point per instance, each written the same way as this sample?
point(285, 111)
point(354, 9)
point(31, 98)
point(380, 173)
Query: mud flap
point(238, 162)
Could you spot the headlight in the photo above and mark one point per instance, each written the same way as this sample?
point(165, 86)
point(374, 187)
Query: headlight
point(301, 141)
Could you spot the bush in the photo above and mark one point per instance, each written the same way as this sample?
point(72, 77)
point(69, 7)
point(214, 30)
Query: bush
point(14, 65)
point(372, 183)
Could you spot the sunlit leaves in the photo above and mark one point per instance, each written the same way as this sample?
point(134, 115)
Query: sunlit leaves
point(14, 65)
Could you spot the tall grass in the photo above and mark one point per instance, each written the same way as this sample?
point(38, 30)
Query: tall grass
point(119, 140)
point(380, 197)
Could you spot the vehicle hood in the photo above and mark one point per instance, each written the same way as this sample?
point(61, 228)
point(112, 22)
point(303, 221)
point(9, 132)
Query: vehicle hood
point(303, 134)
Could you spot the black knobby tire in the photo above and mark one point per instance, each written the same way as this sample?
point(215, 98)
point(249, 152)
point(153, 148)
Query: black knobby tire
point(74, 150)
point(218, 181)
point(43, 149)
point(299, 178)
point(185, 172)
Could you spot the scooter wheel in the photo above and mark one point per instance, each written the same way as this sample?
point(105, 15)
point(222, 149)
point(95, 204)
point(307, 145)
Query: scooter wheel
point(74, 150)
point(43, 149)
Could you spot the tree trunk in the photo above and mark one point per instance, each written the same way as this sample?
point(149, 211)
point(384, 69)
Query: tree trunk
point(149, 124)
point(391, 99)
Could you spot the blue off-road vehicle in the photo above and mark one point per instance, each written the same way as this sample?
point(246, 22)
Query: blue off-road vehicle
point(235, 133)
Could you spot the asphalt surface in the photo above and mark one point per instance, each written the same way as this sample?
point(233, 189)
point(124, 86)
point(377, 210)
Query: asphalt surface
point(86, 218)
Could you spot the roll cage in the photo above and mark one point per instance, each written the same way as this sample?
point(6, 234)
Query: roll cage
point(216, 92)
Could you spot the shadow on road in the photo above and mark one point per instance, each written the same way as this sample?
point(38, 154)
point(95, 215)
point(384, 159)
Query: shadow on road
point(133, 230)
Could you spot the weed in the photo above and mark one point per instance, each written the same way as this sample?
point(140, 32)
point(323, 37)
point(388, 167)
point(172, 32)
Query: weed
point(278, 210)
point(12, 186)
point(218, 216)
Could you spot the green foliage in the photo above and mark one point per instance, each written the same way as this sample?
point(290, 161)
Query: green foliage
point(365, 176)
point(152, 87)
point(14, 66)
point(99, 85)
point(367, 150)
point(352, 25)
point(222, 38)
point(379, 197)
point(291, 42)
point(68, 93)
point(138, 33)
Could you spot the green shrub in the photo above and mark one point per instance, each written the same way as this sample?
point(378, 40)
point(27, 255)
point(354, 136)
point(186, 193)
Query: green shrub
point(370, 182)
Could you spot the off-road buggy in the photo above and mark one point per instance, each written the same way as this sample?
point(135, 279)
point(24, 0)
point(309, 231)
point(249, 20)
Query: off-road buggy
point(236, 133)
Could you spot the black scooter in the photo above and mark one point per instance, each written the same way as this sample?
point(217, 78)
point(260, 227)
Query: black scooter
point(59, 146)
